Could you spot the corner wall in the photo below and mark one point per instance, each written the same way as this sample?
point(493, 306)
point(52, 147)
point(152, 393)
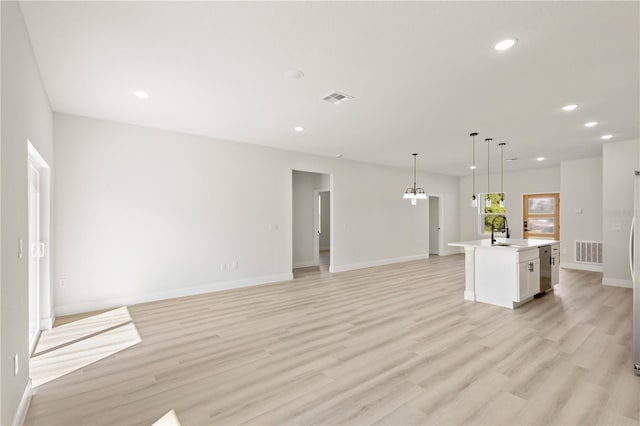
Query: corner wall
point(619, 161)
point(26, 114)
point(581, 207)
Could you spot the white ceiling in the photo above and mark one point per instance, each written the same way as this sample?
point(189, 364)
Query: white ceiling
point(424, 74)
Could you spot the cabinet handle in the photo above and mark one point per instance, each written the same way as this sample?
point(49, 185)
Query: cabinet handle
point(553, 260)
point(530, 266)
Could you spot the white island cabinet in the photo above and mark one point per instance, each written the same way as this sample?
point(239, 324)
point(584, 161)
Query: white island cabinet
point(505, 274)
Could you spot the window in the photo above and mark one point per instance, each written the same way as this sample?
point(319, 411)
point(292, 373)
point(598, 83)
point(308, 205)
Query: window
point(490, 212)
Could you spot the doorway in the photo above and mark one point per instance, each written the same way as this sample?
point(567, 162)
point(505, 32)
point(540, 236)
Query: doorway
point(324, 229)
point(311, 221)
point(38, 212)
point(541, 216)
point(35, 251)
point(434, 225)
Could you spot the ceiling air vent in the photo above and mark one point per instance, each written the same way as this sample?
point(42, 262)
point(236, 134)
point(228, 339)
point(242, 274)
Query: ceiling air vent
point(337, 98)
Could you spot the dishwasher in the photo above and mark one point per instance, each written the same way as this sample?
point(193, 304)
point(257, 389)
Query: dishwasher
point(545, 269)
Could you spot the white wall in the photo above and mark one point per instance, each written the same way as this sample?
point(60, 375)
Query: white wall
point(516, 183)
point(325, 219)
point(145, 213)
point(304, 184)
point(619, 160)
point(26, 114)
point(581, 207)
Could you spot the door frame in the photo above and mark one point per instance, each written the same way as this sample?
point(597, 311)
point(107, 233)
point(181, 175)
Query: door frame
point(331, 215)
point(522, 210)
point(45, 295)
point(316, 224)
point(441, 223)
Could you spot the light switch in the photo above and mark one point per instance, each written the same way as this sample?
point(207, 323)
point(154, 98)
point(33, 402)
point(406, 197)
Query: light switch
point(579, 210)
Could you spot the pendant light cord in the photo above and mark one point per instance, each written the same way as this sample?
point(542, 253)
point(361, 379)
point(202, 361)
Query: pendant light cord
point(414, 172)
point(502, 144)
point(473, 164)
point(488, 141)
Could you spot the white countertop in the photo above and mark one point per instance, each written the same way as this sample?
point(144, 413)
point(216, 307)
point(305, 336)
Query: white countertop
point(513, 243)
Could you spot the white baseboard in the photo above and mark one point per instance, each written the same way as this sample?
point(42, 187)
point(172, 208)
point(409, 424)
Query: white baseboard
point(469, 295)
point(304, 264)
point(617, 282)
point(362, 265)
point(582, 266)
point(47, 323)
point(170, 294)
point(23, 407)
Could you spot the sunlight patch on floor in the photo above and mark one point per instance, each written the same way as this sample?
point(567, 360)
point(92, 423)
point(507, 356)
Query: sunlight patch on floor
point(169, 419)
point(72, 346)
point(80, 329)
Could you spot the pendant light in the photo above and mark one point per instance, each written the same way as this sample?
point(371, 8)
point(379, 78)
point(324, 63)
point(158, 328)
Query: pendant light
point(414, 193)
point(487, 202)
point(474, 200)
point(502, 144)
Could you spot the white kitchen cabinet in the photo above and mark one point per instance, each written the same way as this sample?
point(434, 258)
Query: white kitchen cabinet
point(506, 273)
point(528, 279)
point(555, 264)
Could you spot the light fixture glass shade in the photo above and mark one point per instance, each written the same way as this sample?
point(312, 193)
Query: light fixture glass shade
point(474, 201)
point(414, 202)
point(419, 194)
point(487, 202)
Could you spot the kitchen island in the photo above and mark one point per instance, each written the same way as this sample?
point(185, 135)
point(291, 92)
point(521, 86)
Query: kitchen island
point(506, 273)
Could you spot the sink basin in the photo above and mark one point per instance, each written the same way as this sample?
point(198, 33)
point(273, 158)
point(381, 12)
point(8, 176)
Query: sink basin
point(503, 245)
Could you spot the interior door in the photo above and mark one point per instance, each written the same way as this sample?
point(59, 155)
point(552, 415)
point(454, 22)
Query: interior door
point(541, 216)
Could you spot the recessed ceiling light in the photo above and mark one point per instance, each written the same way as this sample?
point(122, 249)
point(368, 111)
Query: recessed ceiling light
point(338, 155)
point(540, 159)
point(472, 167)
point(505, 44)
point(294, 74)
point(569, 107)
point(140, 94)
point(605, 137)
point(591, 124)
point(298, 128)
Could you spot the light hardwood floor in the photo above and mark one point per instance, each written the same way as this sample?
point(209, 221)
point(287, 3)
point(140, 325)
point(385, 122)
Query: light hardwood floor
point(395, 344)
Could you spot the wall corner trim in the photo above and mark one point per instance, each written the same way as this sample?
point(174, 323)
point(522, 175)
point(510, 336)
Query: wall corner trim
point(47, 323)
point(362, 265)
point(617, 282)
point(170, 294)
point(23, 407)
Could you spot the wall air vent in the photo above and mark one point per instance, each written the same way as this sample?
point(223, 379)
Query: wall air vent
point(588, 252)
point(337, 98)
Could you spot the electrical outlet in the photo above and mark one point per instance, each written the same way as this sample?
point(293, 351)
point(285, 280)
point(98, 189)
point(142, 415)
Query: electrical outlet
point(223, 266)
point(16, 365)
point(64, 282)
point(616, 227)
point(19, 249)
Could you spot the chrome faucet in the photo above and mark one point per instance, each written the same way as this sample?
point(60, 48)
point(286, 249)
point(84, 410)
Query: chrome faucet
point(504, 229)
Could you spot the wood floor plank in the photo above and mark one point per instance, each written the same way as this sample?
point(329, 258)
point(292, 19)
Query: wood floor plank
point(390, 345)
